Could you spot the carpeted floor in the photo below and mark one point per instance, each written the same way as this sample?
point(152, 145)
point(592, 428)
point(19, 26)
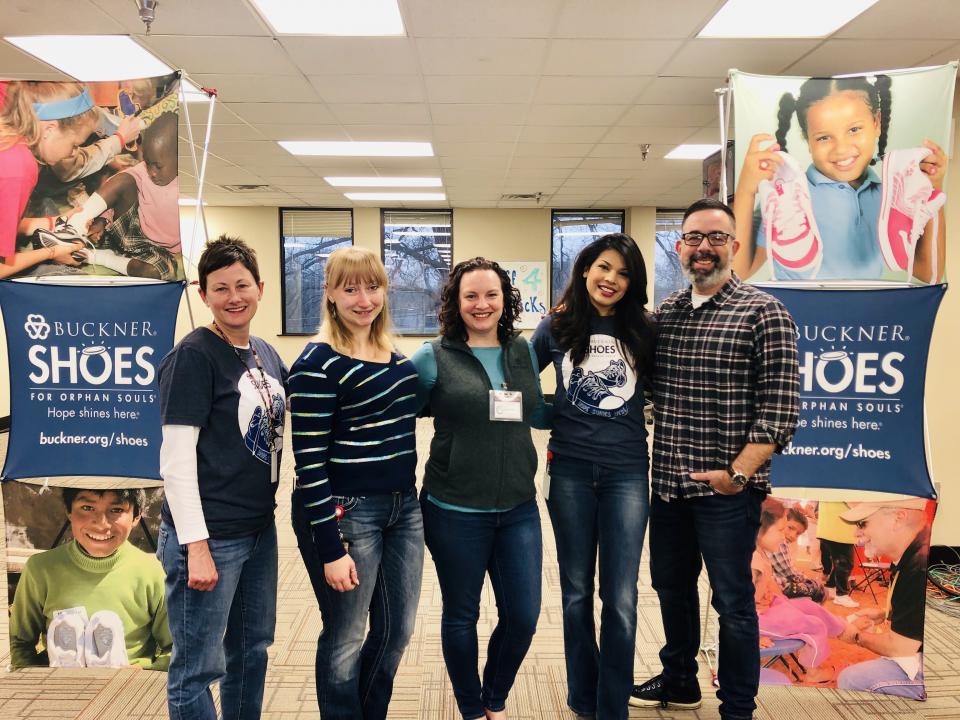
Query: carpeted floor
point(422, 689)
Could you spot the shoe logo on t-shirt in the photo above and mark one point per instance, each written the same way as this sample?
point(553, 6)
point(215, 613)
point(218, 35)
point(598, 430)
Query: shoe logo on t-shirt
point(253, 420)
point(604, 383)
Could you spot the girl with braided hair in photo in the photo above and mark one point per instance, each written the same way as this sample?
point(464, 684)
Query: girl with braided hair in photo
point(846, 123)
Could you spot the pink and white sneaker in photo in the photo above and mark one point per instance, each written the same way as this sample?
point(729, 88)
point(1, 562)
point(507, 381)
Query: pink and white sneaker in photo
point(104, 641)
point(65, 639)
point(909, 202)
point(793, 239)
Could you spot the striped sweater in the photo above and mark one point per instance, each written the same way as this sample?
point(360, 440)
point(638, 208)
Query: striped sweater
point(353, 424)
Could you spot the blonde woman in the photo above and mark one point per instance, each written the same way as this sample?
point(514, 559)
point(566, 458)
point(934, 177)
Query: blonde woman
point(355, 510)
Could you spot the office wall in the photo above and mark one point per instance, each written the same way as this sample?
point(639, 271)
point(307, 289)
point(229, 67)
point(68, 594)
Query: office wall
point(518, 234)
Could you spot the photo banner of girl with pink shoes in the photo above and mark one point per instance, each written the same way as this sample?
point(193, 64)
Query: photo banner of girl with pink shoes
point(842, 178)
point(89, 179)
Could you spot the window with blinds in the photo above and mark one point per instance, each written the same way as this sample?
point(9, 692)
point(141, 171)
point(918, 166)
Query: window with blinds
point(417, 252)
point(573, 230)
point(307, 237)
point(668, 275)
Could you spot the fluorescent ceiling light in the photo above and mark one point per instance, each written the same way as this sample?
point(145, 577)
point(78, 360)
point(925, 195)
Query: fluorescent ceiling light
point(691, 152)
point(94, 58)
point(361, 18)
point(766, 19)
point(395, 196)
point(384, 181)
point(350, 148)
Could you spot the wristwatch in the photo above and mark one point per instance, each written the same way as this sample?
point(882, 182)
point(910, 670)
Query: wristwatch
point(737, 477)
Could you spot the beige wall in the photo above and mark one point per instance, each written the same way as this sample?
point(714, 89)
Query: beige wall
point(525, 235)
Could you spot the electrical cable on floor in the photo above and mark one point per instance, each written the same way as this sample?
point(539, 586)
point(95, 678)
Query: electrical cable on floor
point(943, 590)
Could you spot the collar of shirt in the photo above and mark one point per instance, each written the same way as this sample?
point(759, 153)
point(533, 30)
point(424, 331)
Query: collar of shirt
point(719, 297)
point(815, 177)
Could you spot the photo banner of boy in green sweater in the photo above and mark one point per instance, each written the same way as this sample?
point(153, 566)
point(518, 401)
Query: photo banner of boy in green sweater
point(95, 599)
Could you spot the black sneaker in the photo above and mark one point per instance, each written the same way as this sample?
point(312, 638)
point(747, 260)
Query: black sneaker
point(655, 692)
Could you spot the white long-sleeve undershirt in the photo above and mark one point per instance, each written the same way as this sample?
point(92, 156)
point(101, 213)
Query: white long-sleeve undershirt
point(178, 468)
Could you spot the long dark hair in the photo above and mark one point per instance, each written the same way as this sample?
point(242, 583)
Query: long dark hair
point(876, 95)
point(571, 317)
point(452, 326)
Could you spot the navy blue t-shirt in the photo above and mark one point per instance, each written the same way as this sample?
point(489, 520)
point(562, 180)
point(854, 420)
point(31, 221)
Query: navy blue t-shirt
point(598, 406)
point(203, 384)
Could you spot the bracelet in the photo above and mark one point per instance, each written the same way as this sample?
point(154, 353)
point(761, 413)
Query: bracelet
point(123, 141)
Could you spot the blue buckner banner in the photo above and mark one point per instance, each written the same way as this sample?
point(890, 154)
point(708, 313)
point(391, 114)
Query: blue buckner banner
point(83, 377)
point(863, 361)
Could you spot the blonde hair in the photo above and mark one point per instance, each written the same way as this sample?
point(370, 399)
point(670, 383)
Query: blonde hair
point(18, 120)
point(347, 266)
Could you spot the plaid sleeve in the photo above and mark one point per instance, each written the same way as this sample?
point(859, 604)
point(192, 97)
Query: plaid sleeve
point(777, 392)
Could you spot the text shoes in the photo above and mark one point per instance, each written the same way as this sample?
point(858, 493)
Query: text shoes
point(909, 202)
point(793, 239)
point(656, 693)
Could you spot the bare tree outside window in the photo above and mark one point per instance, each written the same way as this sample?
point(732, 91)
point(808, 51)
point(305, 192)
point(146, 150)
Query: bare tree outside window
point(417, 252)
point(572, 231)
point(668, 275)
point(307, 237)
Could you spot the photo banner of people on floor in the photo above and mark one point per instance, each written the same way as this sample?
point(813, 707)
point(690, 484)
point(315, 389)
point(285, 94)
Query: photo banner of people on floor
point(842, 178)
point(85, 588)
point(82, 364)
point(89, 179)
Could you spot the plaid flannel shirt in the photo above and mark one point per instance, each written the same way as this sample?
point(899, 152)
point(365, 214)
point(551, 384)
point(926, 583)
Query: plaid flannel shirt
point(782, 564)
point(727, 374)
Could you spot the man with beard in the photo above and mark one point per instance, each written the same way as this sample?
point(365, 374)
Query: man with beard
point(726, 397)
point(900, 530)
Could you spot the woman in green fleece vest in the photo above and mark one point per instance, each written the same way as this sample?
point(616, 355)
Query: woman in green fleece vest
point(479, 505)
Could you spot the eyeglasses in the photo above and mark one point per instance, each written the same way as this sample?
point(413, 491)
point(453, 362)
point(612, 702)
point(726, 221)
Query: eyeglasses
point(715, 238)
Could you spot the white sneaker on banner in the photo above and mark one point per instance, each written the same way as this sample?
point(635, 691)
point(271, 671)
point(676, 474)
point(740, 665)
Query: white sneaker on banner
point(793, 239)
point(909, 202)
point(104, 641)
point(65, 638)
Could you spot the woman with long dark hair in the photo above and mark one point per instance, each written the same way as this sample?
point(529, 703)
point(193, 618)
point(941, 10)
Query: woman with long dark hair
point(479, 504)
point(600, 340)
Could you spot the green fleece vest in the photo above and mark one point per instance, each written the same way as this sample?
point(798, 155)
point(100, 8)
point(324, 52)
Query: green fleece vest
point(474, 461)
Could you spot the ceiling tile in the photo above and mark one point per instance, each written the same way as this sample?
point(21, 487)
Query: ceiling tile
point(553, 150)
point(648, 134)
point(922, 19)
point(634, 18)
point(474, 149)
point(368, 88)
point(590, 90)
point(713, 57)
point(404, 113)
point(210, 17)
point(490, 18)
point(490, 56)
point(479, 133)
point(681, 91)
point(258, 88)
point(548, 134)
point(479, 89)
point(837, 57)
point(227, 55)
point(671, 115)
point(608, 57)
point(282, 112)
point(477, 114)
point(352, 55)
point(559, 115)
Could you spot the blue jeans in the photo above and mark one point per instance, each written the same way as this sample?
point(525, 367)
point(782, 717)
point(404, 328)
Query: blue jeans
point(354, 674)
point(598, 511)
point(222, 634)
point(882, 675)
point(465, 547)
point(721, 532)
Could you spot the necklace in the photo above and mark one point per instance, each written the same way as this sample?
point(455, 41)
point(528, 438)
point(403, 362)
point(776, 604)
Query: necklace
point(263, 390)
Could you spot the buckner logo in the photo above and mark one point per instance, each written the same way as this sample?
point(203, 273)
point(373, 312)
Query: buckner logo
point(37, 327)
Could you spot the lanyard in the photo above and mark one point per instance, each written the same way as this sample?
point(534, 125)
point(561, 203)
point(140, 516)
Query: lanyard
point(262, 390)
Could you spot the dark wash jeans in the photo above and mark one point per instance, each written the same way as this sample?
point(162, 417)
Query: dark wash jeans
point(354, 674)
point(221, 635)
point(465, 548)
point(721, 532)
point(596, 511)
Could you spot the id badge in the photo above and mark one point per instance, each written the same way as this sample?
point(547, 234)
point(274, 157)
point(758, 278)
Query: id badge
point(506, 405)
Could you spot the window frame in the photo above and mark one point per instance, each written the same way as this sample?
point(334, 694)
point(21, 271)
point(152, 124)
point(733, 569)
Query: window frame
point(383, 252)
point(283, 274)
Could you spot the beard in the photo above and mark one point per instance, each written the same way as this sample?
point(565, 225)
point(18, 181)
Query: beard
point(703, 277)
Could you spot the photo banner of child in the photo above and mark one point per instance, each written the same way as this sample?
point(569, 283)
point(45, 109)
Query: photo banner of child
point(862, 631)
point(842, 178)
point(85, 586)
point(88, 179)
